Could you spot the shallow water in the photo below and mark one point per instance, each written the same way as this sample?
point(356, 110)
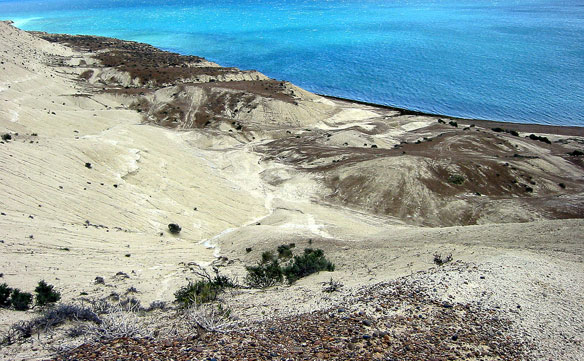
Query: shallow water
point(519, 61)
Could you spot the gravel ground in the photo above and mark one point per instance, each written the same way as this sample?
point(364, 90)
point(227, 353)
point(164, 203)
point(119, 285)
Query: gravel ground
point(399, 320)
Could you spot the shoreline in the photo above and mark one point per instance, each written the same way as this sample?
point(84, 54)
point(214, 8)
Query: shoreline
point(572, 130)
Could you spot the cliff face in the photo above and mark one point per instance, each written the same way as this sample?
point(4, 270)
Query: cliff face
point(188, 92)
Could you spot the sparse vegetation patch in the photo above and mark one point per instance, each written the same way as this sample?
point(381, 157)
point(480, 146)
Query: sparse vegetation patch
point(21, 301)
point(204, 290)
point(501, 130)
point(540, 138)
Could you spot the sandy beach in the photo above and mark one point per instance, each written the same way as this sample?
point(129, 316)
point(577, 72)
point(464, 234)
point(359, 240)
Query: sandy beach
point(112, 141)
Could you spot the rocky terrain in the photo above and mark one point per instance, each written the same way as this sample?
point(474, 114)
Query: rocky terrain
point(107, 142)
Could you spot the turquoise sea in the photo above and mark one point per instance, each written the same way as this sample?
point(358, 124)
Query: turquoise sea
point(508, 60)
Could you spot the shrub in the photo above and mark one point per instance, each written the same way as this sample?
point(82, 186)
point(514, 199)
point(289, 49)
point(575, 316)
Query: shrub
point(5, 295)
point(541, 139)
point(209, 318)
point(21, 301)
point(440, 260)
point(332, 286)
point(310, 262)
point(53, 317)
point(453, 123)
point(271, 271)
point(576, 153)
point(6, 137)
point(267, 256)
point(285, 250)
point(196, 292)
point(456, 179)
point(174, 228)
point(203, 291)
point(131, 304)
point(156, 305)
point(498, 130)
point(265, 274)
point(118, 323)
point(46, 294)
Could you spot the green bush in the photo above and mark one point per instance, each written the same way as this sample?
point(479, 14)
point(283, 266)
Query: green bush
point(5, 295)
point(265, 274)
point(271, 271)
point(312, 261)
point(285, 250)
point(21, 301)
point(267, 257)
point(456, 179)
point(45, 294)
point(203, 291)
point(196, 292)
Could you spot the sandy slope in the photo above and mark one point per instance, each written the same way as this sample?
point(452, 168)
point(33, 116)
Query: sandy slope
point(141, 179)
point(67, 223)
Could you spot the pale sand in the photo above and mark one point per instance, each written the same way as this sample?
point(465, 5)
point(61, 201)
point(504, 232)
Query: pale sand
point(241, 200)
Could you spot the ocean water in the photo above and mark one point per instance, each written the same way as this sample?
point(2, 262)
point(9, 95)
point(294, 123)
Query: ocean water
point(508, 60)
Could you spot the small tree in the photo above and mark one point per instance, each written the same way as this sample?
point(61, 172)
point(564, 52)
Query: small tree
point(46, 294)
point(20, 300)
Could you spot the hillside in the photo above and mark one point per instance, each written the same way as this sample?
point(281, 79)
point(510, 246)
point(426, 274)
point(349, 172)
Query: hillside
point(107, 142)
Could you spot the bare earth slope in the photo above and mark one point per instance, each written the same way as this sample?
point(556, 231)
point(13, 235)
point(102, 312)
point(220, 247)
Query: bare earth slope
point(107, 142)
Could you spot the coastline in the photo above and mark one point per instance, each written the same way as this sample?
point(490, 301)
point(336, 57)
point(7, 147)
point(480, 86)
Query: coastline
point(521, 127)
point(110, 142)
point(572, 130)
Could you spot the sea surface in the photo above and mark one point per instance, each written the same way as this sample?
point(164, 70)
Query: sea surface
point(508, 60)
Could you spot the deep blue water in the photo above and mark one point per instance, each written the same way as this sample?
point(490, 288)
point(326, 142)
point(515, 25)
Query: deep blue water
point(508, 60)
